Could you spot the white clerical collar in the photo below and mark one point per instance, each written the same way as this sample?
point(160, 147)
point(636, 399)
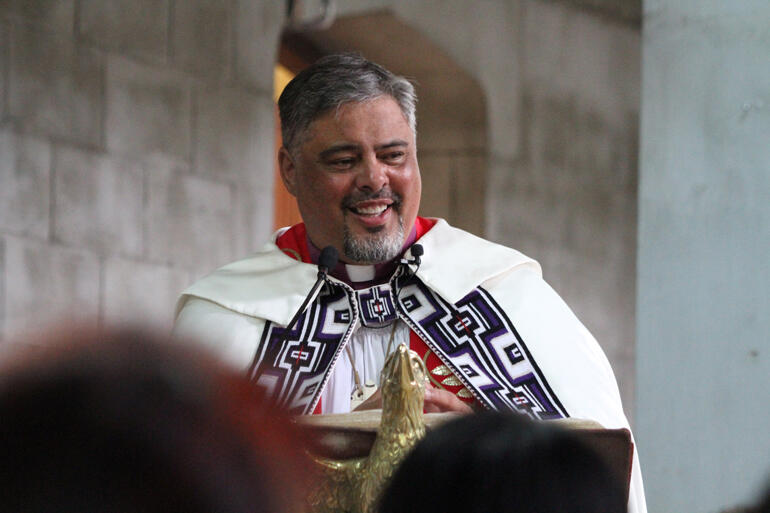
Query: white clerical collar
point(359, 273)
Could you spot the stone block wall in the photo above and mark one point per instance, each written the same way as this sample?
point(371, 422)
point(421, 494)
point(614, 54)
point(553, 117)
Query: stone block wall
point(135, 152)
point(569, 192)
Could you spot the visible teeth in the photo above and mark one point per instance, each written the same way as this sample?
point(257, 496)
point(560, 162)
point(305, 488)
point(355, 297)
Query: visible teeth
point(371, 211)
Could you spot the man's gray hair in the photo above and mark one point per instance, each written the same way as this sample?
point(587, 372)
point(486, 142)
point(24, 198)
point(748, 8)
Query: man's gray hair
point(333, 81)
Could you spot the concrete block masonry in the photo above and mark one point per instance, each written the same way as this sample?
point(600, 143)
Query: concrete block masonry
point(97, 169)
point(25, 165)
point(2, 295)
point(189, 220)
point(125, 298)
point(182, 91)
point(97, 202)
point(5, 38)
point(138, 28)
point(254, 55)
point(229, 143)
point(55, 89)
point(148, 110)
point(54, 15)
point(468, 184)
point(45, 283)
point(201, 41)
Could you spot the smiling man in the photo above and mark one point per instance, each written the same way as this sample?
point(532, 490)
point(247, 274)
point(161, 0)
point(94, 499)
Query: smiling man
point(492, 333)
point(356, 181)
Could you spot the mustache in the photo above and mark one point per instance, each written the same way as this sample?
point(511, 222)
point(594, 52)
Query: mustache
point(385, 193)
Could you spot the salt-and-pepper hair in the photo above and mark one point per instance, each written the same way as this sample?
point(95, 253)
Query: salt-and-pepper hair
point(333, 81)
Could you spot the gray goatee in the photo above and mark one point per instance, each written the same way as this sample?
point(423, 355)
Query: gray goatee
point(374, 248)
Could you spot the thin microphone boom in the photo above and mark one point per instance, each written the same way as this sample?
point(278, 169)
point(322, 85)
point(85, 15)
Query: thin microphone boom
point(417, 251)
point(326, 262)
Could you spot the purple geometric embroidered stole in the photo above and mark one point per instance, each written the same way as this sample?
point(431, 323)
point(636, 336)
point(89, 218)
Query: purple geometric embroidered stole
point(473, 337)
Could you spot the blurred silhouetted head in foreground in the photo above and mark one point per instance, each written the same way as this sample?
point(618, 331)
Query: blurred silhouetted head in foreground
point(502, 462)
point(123, 422)
point(764, 504)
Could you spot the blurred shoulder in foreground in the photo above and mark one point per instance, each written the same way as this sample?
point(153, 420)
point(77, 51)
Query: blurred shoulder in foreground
point(125, 421)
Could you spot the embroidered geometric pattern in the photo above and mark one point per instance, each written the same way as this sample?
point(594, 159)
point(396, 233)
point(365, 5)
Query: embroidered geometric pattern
point(483, 348)
point(375, 305)
point(292, 371)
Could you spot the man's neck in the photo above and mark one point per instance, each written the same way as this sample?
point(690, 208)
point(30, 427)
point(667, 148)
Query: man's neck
point(361, 276)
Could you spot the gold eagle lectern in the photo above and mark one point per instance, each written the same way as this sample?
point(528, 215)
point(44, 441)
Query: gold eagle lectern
point(358, 452)
point(353, 485)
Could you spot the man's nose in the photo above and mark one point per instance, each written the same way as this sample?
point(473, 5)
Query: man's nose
point(373, 175)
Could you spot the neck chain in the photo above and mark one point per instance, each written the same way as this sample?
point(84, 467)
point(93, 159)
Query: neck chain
point(361, 394)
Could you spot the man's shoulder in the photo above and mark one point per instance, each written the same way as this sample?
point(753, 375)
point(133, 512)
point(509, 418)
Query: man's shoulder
point(456, 261)
point(444, 236)
point(250, 286)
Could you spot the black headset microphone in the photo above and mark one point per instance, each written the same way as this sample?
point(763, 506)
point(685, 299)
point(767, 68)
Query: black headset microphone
point(417, 252)
point(327, 261)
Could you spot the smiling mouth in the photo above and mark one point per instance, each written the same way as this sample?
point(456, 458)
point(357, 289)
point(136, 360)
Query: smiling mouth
point(370, 211)
point(371, 208)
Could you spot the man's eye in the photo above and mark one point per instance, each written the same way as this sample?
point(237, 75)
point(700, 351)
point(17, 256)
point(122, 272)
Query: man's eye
point(343, 163)
point(395, 156)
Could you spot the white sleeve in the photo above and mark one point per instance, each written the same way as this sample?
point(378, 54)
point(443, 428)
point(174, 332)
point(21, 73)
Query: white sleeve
point(636, 500)
point(229, 336)
point(570, 358)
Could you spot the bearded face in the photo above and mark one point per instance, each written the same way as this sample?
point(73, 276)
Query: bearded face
point(356, 180)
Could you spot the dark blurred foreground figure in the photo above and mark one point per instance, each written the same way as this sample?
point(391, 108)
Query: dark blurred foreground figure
point(764, 506)
point(123, 423)
point(502, 463)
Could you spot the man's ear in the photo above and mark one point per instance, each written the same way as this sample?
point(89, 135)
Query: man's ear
point(288, 171)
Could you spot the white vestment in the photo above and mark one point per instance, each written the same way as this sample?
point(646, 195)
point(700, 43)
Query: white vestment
point(483, 308)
